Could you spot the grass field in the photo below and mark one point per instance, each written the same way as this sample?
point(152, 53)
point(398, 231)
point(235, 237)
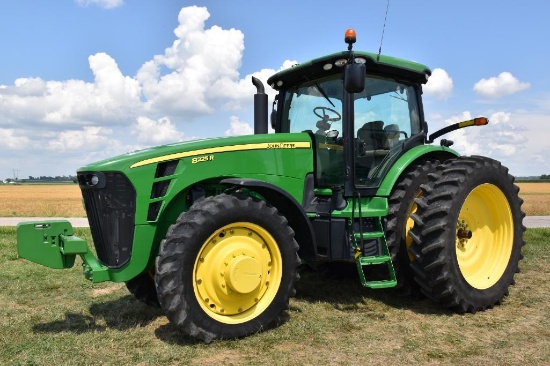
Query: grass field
point(66, 200)
point(57, 317)
point(51, 317)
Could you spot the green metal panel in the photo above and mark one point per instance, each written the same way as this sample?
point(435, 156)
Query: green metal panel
point(370, 207)
point(280, 159)
point(50, 243)
point(391, 65)
point(142, 251)
point(407, 159)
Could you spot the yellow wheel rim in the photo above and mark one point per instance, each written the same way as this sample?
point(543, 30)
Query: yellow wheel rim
point(484, 236)
point(409, 225)
point(237, 273)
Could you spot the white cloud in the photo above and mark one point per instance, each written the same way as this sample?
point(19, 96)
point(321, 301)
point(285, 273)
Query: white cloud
point(106, 4)
point(503, 84)
point(29, 87)
point(502, 139)
point(462, 138)
point(12, 141)
point(238, 128)
point(160, 131)
point(499, 139)
point(239, 93)
point(499, 117)
point(190, 79)
point(201, 65)
point(439, 85)
point(197, 75)
point(89, 138)
point(111, 98)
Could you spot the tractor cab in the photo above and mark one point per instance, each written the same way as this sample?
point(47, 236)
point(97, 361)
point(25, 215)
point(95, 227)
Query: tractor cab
point(362, 111)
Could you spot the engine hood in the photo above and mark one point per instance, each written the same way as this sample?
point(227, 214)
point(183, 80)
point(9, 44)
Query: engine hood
point(189, 149)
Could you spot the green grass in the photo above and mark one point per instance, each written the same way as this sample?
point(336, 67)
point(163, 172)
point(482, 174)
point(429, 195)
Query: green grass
point(50, 317)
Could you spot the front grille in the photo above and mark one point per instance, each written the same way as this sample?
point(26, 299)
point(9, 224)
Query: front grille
point(110, 205)
point(166, 168)
point(160, 188)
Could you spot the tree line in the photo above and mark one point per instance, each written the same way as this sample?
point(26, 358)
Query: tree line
point(43, 178)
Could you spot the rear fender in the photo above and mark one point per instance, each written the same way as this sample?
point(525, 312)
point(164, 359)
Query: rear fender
point(423, 152)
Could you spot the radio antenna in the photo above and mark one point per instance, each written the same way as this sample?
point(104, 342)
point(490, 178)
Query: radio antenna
point(383, 29)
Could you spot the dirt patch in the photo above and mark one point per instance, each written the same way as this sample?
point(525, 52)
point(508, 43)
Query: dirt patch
point(107, 290)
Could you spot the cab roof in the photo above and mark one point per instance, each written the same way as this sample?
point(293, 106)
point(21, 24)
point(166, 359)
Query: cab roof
point(376, 65)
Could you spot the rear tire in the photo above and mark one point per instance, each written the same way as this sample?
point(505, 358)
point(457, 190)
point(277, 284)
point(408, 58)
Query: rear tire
point(401, 206)
point(468, 234)
point(227, 268)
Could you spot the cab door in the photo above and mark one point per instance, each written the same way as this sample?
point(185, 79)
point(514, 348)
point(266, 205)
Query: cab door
point(386, 118)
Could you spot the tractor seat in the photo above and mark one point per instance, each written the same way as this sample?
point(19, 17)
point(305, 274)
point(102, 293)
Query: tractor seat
point(392, 135)
point(372, 136)
point(322, 126)
point(372, 147)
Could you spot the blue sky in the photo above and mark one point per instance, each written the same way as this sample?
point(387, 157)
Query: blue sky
point(82, 80)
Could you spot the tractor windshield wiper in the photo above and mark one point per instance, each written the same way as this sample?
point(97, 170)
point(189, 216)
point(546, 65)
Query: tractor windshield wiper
point(322, 91)
point(397, 96)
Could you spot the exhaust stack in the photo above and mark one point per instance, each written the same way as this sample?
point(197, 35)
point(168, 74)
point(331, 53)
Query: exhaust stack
point(260, 107)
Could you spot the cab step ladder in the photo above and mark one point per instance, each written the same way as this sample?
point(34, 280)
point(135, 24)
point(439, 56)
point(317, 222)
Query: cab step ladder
point(363, 261)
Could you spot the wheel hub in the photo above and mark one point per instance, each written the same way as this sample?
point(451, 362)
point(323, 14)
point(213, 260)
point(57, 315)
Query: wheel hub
point(243, 274)
point(463, 233)
point(237, 272)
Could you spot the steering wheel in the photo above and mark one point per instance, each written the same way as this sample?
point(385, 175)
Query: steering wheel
point(325, 117)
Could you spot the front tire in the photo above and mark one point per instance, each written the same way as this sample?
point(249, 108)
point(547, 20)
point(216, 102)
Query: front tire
point(226, 268)
point(468, 234)
point(143, 288)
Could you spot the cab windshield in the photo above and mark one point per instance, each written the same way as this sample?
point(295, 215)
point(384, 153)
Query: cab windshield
point(385, 115)
point(307, 104)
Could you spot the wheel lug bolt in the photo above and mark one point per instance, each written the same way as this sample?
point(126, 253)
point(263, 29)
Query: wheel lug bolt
point(464, 234)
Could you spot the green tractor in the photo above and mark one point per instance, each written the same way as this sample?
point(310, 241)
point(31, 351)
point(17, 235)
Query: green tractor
point(213, 231)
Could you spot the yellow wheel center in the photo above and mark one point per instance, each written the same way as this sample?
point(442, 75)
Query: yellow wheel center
point(237, 272)
point(243, 274)
point(484, 236)
point(409, 225)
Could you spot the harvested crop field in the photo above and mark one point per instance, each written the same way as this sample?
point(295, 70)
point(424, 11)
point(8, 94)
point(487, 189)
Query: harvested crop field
point(536, 197)
point(41, 200)
point(59, 200)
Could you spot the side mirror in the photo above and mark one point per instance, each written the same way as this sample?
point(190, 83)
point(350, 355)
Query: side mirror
point(273, 118)
point(273, 115)
point(354, 77)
